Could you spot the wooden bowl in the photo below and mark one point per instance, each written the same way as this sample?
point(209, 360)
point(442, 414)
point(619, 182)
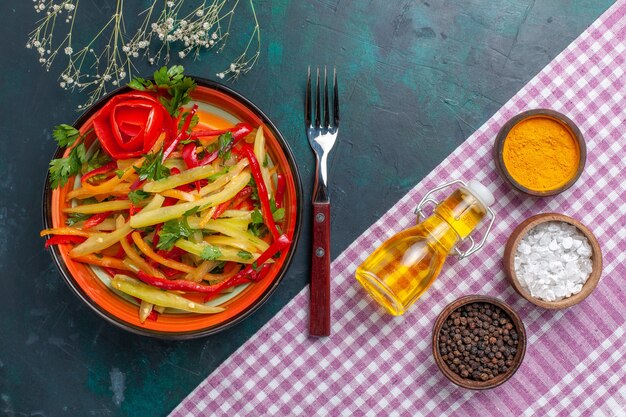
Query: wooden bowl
point(538, 113)
point(511, 248)
point(470, 383)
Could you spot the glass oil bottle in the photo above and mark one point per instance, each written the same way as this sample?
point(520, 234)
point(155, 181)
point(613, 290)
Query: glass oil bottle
point(402, 268)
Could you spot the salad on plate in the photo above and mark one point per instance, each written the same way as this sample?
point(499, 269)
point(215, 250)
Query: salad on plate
point(176, 213)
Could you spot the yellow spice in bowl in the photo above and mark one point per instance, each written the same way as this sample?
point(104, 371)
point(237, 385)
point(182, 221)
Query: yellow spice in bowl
point(541, 154)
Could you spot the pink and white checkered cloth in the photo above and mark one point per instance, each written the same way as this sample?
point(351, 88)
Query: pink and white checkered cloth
point(376, 364)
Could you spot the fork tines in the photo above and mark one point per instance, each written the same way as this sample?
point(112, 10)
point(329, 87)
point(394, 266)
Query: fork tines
point(318, 103)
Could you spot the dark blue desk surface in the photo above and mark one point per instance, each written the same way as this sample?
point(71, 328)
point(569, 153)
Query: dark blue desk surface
point(417, 78)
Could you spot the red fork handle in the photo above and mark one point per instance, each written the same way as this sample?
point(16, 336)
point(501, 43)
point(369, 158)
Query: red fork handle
point(319, 324)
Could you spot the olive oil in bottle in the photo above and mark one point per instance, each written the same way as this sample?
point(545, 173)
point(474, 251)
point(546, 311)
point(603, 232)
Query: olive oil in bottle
point(401, 269)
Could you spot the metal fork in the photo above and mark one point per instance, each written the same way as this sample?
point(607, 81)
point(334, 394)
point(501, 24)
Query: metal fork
point(322, 135)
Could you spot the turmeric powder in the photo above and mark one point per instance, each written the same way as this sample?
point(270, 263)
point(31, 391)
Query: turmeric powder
point(541, 154)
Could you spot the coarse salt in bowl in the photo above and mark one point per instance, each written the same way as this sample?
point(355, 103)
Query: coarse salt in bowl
point(553, 260)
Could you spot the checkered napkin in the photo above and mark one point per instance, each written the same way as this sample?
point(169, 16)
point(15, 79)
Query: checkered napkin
point(376, 364)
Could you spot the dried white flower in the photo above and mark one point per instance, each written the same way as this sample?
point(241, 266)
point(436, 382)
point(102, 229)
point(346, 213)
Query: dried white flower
point(162, 28)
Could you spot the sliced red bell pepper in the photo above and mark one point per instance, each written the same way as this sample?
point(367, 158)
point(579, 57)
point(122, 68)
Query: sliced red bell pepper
point(238, 131)
point(132, 210)
point(58, 239)
point(281, 185)
point(279, 244)
point(136, 184)
point(236, 200)
point(266, 210)
point(96, 219)
point(178, 285)
point(153, 316)
point(182, 134)
point(104, 169)
point(189, 150)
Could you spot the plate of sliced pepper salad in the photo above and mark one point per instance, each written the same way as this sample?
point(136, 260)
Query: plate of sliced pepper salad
point(172, 206)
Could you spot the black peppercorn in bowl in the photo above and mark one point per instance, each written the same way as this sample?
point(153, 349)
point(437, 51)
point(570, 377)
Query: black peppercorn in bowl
point(479, 342)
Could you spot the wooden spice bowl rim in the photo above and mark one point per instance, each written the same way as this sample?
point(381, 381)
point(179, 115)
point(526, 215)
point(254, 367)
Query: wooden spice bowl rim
point(522, 229)
point(538, 113)
point(470, 383)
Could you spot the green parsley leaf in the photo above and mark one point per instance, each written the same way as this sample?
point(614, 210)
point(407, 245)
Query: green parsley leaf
point(153, 168)
point(266, 161)
point(119, 173)
point(219, 269)
point(257, 217)
point(96, 161)
point(73, 218)
point(195, 119)
point(211, 253)
point(244, 254)
point(140, 84)
point(173, 79)
point(62, 169)
point(65, 135)
point(178, 87)
point(172, 231)
point(136, 196)
point(191, 211)
point(279, 215)
point(225, 142)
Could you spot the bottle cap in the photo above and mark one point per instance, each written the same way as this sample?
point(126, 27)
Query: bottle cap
point(481, 192)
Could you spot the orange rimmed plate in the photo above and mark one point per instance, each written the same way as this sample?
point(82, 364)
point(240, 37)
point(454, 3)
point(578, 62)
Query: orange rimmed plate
point(219, 107)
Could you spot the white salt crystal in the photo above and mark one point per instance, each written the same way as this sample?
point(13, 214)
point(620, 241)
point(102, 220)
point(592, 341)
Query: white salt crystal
point(553, 261)
point(567, 242)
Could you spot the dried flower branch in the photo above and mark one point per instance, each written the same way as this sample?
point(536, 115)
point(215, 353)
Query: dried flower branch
point(109, 59)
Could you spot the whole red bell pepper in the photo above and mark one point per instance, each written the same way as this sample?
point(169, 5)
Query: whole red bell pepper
point(129, 124)
point(255, 168)
point(96, 219)
point(104, 169)
point(58, 239)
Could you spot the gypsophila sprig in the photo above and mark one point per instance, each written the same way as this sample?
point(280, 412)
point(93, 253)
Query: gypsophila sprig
point(166, 28)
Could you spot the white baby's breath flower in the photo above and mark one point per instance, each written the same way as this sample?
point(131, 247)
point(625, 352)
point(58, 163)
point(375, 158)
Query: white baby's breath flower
point(108, 65)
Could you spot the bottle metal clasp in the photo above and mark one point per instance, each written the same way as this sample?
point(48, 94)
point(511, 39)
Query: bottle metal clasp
point(473, 247)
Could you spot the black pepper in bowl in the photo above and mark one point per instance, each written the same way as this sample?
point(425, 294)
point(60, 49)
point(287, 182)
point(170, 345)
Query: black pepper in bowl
point(477, 342)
